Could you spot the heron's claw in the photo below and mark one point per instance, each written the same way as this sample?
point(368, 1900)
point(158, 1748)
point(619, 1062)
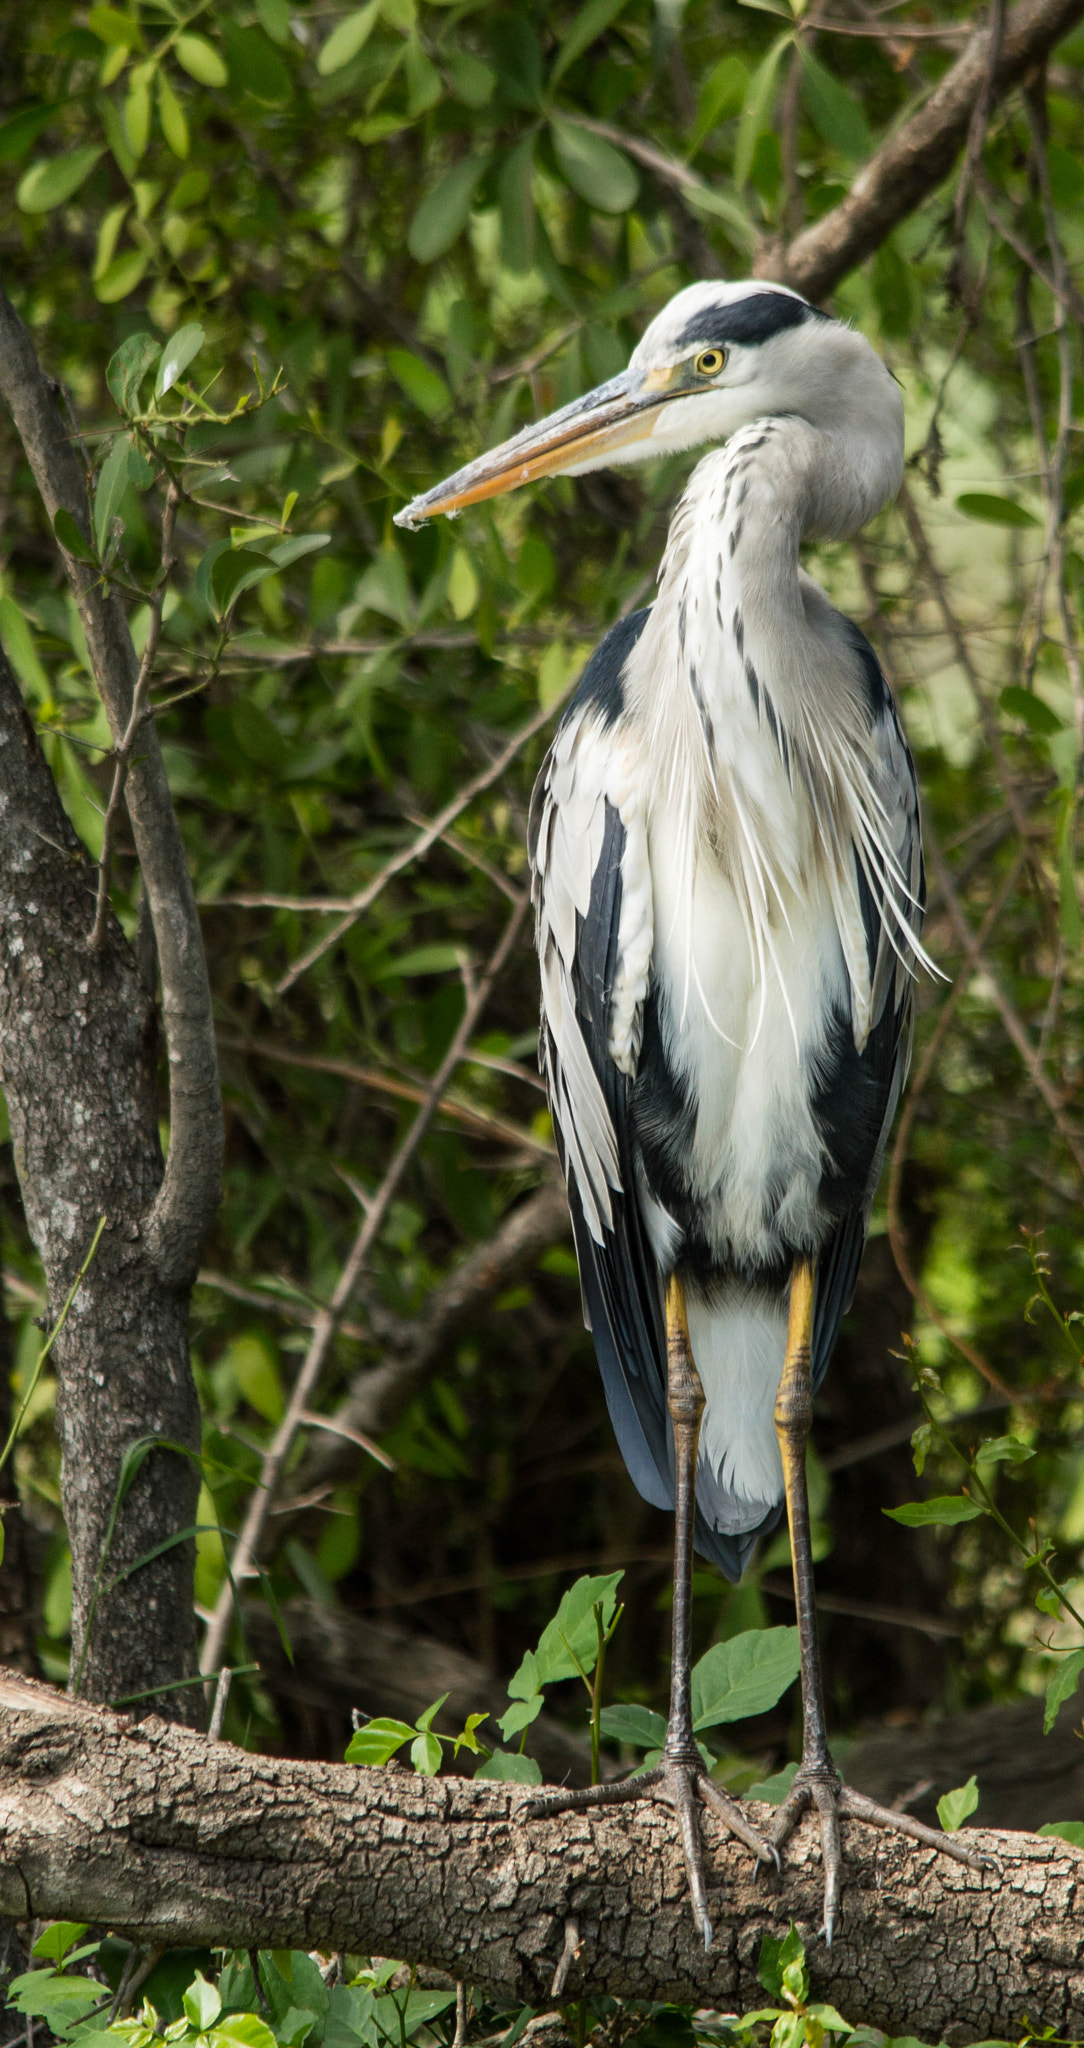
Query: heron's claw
point(682, 1785)
point(822, 1787)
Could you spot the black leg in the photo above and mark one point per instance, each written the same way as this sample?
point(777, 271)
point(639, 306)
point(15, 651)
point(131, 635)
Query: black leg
point(817, 1782)
point(679, 1776)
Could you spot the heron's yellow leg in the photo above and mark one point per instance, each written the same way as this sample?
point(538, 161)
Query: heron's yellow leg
point(685, 1402)
point(793, 1418)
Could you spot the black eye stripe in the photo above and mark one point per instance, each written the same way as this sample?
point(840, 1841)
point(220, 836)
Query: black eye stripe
point(750, 320)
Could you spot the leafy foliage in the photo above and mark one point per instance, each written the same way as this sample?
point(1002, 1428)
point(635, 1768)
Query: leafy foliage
point(298, 264)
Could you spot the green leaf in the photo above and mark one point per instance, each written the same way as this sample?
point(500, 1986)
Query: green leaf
point(1062, 1686)
point(242, 2030)
point(295, 546)
point(202, 2004)
point(172, 117)
point(60, 2001)
point(235, 572)
point(18, 645)
point(1071, 1831)
point(109, 491)
point(774, 1790)
point(515, 196)
point(994, 511)
point(347, 38)
point(744, 1676)
point(441, 957)
point(54, 1941)
point(722, 95)
point(520, 1715)
point(201, 60)
point(255, 64)
point(23, 129)
point(423, 386)
point(778, 1955)
point(590, 23)
point(425, 1721)
point(55, 179)
point(511, 1768)
point(571, 1638)
point(137, 111)
point(757, 111)
point(1066, 175)
point(377, 1742)
point(1017, 702)
point(944, 1510)
point(835, 115)
point(596, 170)
point(425, 1754)
point(468, 1734)
point(1067, 881)
point(275, 19)
point(954, 1807)
point(128, 367)
point(120, 277)
point(180, 350)
point(69, 536)
point(120, 31)
point(640, 1726)
point(1001, 1450)
point(445, 211)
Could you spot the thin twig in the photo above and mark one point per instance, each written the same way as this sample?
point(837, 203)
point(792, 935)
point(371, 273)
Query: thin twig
point(1010, 1016)
point(218, 1711)
point(483, 1121)
point(419, 846)
point(329, 1318)
point(569, 1951)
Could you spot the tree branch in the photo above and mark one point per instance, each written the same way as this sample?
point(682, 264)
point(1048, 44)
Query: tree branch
point(912, 162)
point(156, 1832)
point(178, 1221)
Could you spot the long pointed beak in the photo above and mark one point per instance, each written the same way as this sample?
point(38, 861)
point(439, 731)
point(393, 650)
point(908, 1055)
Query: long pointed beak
point(580, 436)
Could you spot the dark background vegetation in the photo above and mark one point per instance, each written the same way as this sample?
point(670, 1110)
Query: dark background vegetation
point(404, 229)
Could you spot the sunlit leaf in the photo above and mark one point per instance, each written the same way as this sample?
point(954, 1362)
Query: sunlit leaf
point(56, 179)
point(953, 1808)
point(1062, 1685)
point(128, 367)
point(994, 511)
point(744, 1676)
point(834, 112)
point(1071, 1831)
point(423, 386)
point(942, 1511)
point(757, 111)
point(639, 1726)
point(377, 1742)
point(511, 1767)
point(201, 60)
point(181, 349)
point(347, 37)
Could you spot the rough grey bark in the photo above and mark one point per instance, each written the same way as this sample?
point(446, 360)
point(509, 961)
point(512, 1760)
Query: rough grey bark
point(913, 161)
point(176, 1224)
point(78, 1058)
point(165, 1836)
point(78, 1067)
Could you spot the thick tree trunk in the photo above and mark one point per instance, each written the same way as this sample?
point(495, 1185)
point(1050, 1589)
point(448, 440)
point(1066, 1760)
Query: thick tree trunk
point(78, 1068)
point(158, 1833)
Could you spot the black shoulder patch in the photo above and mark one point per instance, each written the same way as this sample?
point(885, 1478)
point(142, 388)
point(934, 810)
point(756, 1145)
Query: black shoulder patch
point(878, 694)
point(750, 320)
point(601, 687)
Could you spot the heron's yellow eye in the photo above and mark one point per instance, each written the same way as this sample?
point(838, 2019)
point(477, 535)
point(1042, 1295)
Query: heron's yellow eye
point(710, 362)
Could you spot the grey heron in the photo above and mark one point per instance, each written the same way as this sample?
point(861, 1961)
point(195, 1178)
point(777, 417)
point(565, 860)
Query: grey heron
point(729, 890)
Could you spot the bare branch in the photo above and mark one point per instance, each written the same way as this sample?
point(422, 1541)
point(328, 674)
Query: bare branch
point(912, 162)
point(181, 1214)
point(161, 1834)
point(405, 858)
point(329, 1318)
point(139, 712)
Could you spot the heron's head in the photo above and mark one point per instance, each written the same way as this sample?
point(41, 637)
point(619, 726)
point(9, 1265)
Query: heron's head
point(718, 356)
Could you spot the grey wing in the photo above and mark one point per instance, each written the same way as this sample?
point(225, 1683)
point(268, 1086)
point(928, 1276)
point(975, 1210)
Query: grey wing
point(592, 897)
point(857, 1109)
